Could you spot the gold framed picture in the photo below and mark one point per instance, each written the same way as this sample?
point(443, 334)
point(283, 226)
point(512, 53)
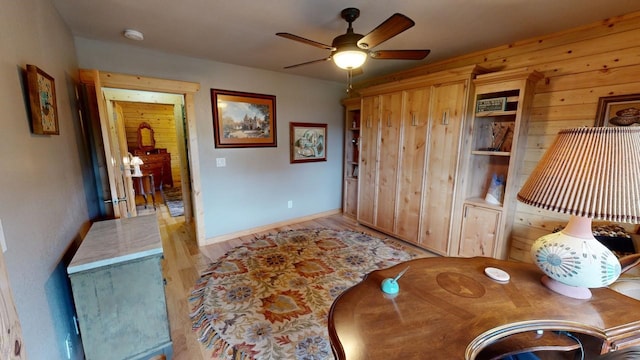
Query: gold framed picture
point(42, 101)
point(242, 119)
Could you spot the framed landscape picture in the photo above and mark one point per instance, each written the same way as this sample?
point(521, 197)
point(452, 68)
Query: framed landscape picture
point(308, 142)
point(618, 110)
point(42, 101)
point(242, 119)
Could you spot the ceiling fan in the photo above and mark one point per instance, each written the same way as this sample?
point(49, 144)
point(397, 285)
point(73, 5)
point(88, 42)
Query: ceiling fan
point(350, 50)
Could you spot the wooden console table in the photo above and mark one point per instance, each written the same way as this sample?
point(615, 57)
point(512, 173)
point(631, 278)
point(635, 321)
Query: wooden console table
point(447, 308)
point(118, 289)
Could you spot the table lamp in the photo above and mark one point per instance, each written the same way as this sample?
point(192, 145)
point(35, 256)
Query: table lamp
point(136, 162)
point(588, 173)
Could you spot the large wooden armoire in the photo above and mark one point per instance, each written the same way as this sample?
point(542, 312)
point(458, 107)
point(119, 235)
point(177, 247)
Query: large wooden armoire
point(411, 135)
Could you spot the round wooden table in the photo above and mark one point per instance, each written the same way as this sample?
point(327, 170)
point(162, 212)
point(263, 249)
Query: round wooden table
point(447, 308)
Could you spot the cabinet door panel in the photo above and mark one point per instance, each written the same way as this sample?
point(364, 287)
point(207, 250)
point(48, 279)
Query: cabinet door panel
point(447, 104)
point(391, 112)
point(367, 177)
point(350, 197)
point(415, 120)
point(479, 231)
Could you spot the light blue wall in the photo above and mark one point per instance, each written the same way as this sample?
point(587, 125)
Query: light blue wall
point(44, 202)
point(254, 187)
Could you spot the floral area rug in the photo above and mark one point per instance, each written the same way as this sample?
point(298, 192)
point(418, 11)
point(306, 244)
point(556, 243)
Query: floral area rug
point(269, 299)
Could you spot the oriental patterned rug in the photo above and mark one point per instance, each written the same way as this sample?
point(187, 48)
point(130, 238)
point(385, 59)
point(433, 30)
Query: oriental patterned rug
point(270, 298)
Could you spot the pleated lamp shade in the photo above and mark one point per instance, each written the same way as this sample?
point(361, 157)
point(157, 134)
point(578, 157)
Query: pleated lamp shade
point(589, 172)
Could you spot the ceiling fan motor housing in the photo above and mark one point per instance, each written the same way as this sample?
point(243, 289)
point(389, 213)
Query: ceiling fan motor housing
point(347, 41)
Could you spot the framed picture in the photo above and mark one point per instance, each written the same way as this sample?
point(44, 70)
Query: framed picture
point(242, 119)
point(619, 110)
point(42, 101)
point(308, 142)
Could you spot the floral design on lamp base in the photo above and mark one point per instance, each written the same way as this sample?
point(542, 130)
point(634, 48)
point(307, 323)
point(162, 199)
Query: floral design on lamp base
point(576, 264)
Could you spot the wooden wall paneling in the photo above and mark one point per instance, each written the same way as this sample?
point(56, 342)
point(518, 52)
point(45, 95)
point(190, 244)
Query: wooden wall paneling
point(389, 151)
point(580, 65)
point(414, 130)
point(162, 118)
point(498, 58)
point(367, 179)
point(603, 77)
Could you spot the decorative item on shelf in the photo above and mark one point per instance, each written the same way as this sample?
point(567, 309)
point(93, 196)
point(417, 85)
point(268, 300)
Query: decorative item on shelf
point(493, 104)
point(501, 136)
point(42, 101)
point(588, 173)
point(496, 190)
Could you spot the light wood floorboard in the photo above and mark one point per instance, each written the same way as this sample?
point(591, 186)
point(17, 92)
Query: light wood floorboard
point(184, 261)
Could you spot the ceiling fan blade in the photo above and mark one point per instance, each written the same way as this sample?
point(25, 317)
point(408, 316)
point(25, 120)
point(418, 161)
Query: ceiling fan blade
point(400, 54)
point(305, 41)
point(308, 62)
point(391, 27)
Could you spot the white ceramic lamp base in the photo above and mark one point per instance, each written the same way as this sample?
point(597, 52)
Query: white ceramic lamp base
point(575, 260)
point(566, 290)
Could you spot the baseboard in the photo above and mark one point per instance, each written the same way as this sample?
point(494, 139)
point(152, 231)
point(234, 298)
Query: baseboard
point(221, 238)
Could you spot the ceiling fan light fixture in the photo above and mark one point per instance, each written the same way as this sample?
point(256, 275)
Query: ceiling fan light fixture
point(350, 59)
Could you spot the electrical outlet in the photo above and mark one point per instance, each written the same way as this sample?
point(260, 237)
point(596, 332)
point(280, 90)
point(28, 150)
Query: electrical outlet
point(290, 204)
point(221, 162)
point(68, 346)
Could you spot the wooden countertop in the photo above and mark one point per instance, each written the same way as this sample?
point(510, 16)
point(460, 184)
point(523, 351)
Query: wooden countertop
point(113, 241)
point(447, 308)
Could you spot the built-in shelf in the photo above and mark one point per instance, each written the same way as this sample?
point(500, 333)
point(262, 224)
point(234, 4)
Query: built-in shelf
point(491, 153)
point(482, 202)
point(495, 113)
point(505, 99)
point(351, 156)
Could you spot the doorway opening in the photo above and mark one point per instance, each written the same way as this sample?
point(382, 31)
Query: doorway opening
point(104, 94)
point(151, 137)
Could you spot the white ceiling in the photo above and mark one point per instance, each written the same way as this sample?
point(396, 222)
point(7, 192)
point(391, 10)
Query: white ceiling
point(242, 32)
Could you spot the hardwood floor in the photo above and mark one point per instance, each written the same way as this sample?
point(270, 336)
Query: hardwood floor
point(184, 261)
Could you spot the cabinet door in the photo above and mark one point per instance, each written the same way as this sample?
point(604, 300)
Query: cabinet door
point(350, 197)
point(390, 113)
point(479, 231)
point(446, 108)
point(415, 120)
point(367, 178)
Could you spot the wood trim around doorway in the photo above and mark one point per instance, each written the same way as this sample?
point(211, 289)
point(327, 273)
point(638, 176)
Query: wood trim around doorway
point(187, 89)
